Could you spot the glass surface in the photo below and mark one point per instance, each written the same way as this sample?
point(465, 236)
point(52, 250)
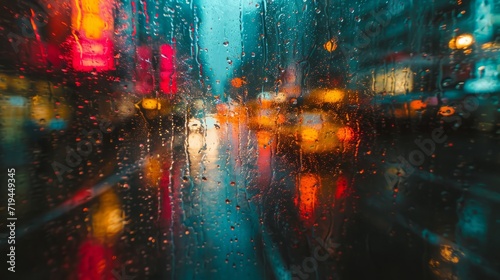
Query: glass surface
point(268, 139)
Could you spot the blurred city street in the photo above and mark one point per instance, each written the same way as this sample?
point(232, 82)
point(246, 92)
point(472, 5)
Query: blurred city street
point(288, 140)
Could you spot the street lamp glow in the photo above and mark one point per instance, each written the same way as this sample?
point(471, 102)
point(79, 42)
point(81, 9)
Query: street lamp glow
point(461, 41)
point(464, 41)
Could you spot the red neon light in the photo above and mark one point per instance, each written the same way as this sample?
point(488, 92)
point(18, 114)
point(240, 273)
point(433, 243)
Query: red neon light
point(341, 191)
point(306, 198)
point(95, 261)
point(168, 79)
point(90, 55)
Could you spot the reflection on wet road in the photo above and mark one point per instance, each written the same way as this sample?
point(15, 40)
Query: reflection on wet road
point(219, 197)
point(221, 236)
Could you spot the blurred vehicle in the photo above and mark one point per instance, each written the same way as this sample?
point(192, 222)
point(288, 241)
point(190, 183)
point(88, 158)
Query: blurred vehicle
point(317, 123)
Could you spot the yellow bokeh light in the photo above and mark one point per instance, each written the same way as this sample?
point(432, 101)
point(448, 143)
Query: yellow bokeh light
point(265, 121)
point(327, 95)
point(20, 84)
point(452, 44)
point(41, 109)
point(150, 104)
point(263, 138)
point(333, 96)
point(107, 218)
point(449, 254)
point(93, 25)
point(4, 81)
point(464, 41)
point(461, 41)
point(152, 170)
point(309, 134)
point(331, 45)
point(91, 6)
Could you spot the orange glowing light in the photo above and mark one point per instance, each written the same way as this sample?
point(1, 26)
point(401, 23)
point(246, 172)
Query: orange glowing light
point(345, 134)
point(152, 170)
point(446, 111)
point(449, 254)
point(452, 44)
point(265, 100)
point(331, 45)
point(107, 220)
point(91, 18)
point(306, 198)
point(233, 114)
point(309, 134)
point(418, 105)
point(280, 119)
point(327, 95)
point(263, 138)
point(93, 26)
point(264, 121)
point(91, 6)
point(333, 96)
point(237, 82)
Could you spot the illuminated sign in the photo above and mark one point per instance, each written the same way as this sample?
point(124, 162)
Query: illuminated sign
point(89, 55)
point(306, 197)
point(92, 23)
point(393, 81)
point(168, 79)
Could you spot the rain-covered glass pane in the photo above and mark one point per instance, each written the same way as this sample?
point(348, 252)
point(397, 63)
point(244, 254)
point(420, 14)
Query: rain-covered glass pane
point(259, 139)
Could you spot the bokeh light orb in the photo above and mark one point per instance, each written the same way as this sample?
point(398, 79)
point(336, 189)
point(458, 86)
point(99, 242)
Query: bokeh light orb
point(331, 45)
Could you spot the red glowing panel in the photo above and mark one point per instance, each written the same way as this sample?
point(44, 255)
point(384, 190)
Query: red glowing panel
point(90, 55)
point(95, 261)
point(166, 206)
point(306, 199)
point(92, 22)
point(345, 134)
point(53, 55)
point(341, 191)
point(168, 79)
